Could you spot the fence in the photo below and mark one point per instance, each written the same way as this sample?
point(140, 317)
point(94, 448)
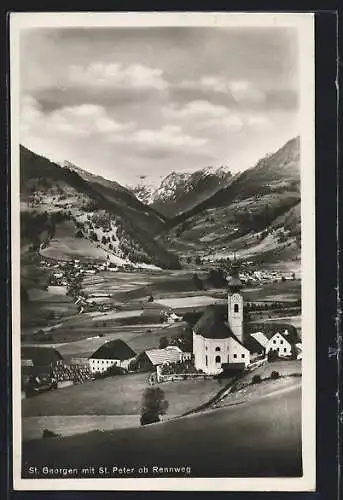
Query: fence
point(171, 377)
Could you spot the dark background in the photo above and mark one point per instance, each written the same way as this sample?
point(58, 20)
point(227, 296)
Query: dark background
point(329, 413)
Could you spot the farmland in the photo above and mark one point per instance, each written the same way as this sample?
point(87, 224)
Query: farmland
point(118, 398)
point(132, 317)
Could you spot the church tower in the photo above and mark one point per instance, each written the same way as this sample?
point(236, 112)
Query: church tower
point(235, 302)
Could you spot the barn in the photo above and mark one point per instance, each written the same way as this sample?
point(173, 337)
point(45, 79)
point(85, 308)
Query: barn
point(114, 352)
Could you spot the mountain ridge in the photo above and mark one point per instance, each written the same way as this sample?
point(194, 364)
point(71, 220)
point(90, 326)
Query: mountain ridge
point(46, 187)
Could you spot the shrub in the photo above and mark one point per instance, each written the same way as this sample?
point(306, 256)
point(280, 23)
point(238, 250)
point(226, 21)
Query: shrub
point(256, 379)
point(114, 370)
point(272, 356)
point(48, 434)
point(149, 417)
point(274, 375)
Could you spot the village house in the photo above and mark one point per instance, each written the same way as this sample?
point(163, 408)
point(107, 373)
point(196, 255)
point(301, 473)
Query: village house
point(281, 338)
point(114, 352)
point(150, 359)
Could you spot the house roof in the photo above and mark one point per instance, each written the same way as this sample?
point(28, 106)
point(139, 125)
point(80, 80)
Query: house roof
point(114, 349)
point(269, 329)
point(41, 356)
point(212, 325)
point(252, 344)
point(160, 356)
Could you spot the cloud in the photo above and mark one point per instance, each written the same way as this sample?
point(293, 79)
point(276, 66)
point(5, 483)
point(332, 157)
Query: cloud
point(240, 90)
point(195, 109)
point(169, 137)
point(117, 76)
point(202, 115)
point(79, 121)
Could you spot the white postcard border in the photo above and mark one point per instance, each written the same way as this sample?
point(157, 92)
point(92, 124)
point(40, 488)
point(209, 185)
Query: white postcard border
point(304, 22)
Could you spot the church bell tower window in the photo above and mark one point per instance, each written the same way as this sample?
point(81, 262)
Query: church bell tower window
point(236, 308)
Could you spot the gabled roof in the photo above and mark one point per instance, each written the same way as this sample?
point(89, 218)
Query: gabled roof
point(114, 349)
point(269, 329)
point(160, 356)
point(260, 338)
point(41, 356)
point(253, 345)
point(212, 325)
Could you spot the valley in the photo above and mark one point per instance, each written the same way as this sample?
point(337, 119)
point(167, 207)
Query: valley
point(99, 266)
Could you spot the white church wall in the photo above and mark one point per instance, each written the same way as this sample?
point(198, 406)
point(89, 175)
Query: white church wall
point(198, 352)
point(237, 353)
point(216, 351)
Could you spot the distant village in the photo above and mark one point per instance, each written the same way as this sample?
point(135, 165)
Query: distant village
point(66, 276)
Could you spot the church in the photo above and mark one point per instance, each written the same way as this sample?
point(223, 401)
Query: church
point(217, 342)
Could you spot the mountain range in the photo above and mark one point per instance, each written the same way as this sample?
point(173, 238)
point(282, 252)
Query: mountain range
point(180, 191)
point(257, 213)
point(209, 212)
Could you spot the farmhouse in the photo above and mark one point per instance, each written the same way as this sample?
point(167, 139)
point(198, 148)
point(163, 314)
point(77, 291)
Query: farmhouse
point(148, 360)
point(115, 352)
point(281, 338)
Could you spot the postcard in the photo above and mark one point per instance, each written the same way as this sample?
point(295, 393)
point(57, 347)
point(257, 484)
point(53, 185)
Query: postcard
point(163, 251)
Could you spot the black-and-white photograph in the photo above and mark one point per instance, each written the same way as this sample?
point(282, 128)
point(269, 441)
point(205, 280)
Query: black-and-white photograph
point(163, 251)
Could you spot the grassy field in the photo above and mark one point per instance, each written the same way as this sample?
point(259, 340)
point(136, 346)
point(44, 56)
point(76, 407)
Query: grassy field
point(119, 395)
point(285, 368)
point(281, 291)
point(290, 375)
point(259, 438)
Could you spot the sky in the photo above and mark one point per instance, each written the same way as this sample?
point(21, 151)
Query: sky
point(126, 103)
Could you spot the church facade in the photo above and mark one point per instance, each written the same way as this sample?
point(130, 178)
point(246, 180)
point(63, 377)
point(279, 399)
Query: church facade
point(217, 342)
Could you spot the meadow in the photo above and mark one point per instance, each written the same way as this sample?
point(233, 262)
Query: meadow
point(107, 404)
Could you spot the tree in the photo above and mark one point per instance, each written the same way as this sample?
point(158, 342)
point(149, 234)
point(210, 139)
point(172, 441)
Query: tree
point(256, 379)
point(154, 404)
point(79, 234)
point(163, 342)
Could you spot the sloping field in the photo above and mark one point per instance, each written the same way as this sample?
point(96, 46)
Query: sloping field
point(120, 395)
point(70, 247)
point(260, 438)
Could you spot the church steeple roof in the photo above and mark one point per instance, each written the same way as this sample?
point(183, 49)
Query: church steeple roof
point(234, 282)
